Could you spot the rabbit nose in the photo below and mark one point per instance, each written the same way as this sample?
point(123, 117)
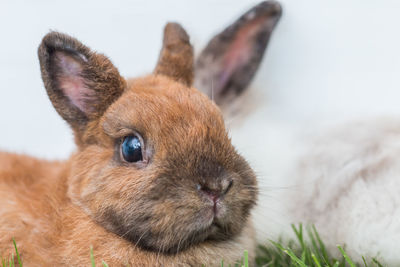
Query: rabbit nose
point(215, 190)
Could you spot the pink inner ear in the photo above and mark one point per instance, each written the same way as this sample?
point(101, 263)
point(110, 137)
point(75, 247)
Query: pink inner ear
point(72, 83)
point(240, 51)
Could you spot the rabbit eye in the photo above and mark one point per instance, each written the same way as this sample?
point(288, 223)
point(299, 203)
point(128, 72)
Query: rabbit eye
point(131, 149)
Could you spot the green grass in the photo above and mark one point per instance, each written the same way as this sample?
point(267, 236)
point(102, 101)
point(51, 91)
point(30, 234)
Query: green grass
point(307, 250)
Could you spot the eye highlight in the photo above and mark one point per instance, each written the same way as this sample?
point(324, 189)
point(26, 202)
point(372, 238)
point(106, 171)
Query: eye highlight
point(131, 149)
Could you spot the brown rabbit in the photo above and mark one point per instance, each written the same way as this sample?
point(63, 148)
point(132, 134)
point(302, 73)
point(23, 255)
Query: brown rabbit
point(155, 179)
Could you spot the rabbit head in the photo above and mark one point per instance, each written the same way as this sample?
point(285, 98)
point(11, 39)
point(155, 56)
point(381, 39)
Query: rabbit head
point(154, 162)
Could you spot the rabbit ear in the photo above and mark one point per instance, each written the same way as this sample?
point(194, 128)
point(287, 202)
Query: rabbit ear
point(230, 60)
point(176, 57)
point(81, 84)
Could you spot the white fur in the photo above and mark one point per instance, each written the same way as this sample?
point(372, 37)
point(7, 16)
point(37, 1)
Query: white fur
point(344, 179)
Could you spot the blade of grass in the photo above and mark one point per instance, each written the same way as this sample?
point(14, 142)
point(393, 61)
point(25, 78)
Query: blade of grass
point(377, 262)
point(349, 261)
point(246, 258)
point(291, 254)
point(104, 264)
point(315, 247)
point(365, 262)
point(92, 257)
point(321, 245)
point(315, 260)
point(16, 251)
point(306, 256)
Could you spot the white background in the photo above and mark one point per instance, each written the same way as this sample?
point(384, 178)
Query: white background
point(327, 60)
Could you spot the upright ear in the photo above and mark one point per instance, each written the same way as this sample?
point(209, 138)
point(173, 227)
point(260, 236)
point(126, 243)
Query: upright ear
point(230, 60)
point(81, 84)
point(176, 57)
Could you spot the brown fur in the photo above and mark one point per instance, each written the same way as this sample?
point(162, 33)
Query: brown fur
point(97, 71)
point(176, 57)
point(146, 213)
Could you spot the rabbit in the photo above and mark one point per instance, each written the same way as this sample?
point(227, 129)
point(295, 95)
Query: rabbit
point(341, 175)
point(155, 180)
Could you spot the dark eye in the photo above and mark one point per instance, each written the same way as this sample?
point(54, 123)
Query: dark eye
point(131, 149)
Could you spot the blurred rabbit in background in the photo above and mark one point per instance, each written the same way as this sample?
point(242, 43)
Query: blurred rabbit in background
point(341, 176)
